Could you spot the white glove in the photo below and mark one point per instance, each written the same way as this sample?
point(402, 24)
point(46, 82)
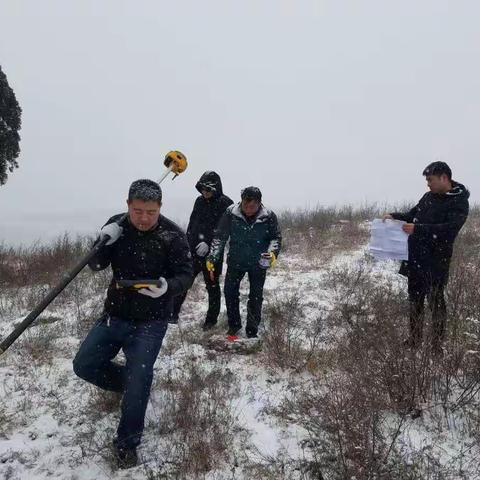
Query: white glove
point(155, 292)
point(267, 260)
point(113, 230)
point(202, 249)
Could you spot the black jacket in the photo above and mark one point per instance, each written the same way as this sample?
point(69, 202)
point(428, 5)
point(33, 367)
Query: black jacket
point(160, 252)
point(206, 212)
point(438, 217)
point(248, 238)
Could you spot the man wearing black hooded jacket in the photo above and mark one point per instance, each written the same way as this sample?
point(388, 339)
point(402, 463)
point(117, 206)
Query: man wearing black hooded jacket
point(207, 211)
point(432, 225)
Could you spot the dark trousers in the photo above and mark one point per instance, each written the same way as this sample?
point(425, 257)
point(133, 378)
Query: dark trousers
point(233, 278)
point(140, 342)
point(420, 287)
point(213, 289)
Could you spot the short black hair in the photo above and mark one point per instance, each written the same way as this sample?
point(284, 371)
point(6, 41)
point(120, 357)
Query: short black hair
point(438, 168)
point(251, 193)
point(145, 190)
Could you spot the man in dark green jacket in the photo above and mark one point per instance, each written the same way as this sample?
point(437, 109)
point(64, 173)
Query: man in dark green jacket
point(255, 242)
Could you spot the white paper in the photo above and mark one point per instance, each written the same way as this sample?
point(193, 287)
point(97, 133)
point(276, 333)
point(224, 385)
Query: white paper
point(388, 240)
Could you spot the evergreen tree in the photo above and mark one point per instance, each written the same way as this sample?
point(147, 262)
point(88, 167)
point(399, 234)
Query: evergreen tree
point(10, 124)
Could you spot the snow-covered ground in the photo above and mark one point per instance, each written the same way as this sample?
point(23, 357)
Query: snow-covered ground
point(56, 426)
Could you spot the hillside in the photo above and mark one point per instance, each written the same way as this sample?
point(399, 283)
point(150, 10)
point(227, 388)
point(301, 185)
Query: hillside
point(330, 391)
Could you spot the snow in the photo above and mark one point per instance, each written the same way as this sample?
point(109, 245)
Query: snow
point(54, 433)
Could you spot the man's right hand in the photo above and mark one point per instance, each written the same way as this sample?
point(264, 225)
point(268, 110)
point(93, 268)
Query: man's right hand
point(112, 230)
point(155, 292)
point(387, 216)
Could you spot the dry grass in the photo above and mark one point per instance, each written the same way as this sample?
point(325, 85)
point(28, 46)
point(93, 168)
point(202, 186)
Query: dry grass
point(197, 426)
point(5, 419)
point(290, 341)
point(37, 344)
point(40, 264)
point(375, 386)
point(361, 386)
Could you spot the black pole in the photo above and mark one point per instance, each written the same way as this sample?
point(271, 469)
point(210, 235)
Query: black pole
point(67, 278)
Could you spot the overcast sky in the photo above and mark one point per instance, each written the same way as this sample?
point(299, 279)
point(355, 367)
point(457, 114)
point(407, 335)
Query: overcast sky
point(316, 102)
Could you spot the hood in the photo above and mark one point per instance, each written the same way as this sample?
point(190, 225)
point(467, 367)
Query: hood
point(458, 190)
point(211, 181)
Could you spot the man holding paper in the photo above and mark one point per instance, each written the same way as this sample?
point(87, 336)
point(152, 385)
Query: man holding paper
point(432, 226)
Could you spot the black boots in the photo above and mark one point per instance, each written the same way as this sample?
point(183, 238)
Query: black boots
point(232, 331)
point(208, 326)
point(125, 457)
point(251, 332)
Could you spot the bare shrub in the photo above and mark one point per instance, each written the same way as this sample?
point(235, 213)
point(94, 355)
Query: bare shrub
point(95, 425)
point(101, 401)
point(83, 296)
point(37, 344)
point(463, 294)
point(95, 438)
point(7, 265)
point(5, 419)
point(196, 425)
point(352, 435)
point(18, 301)
point(321, 231)
point(371, 319)
point(41, 264)
point(12, 302)
point(356, 415)
point(323, 218)
point(312, 230)
point(291, 340)
point(282, 466)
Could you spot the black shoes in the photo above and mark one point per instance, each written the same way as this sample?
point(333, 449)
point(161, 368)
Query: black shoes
point(208, 326)
point(232, 331)
point(251, 333)
point(412, 343)
point(125, 457)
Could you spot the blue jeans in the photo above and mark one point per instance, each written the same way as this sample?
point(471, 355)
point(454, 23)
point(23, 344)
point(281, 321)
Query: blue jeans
point(140, 342)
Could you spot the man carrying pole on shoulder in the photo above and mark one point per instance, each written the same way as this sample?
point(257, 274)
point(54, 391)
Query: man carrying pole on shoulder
point(151, 264)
